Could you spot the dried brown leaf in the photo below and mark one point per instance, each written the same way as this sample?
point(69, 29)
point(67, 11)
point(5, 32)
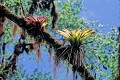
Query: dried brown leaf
point(54, 14)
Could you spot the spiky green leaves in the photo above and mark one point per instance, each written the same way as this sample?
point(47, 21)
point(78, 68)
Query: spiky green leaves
point(75, 37)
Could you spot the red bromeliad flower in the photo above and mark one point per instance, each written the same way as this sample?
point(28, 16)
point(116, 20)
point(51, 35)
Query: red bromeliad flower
point(37, 20)
point(38, 23)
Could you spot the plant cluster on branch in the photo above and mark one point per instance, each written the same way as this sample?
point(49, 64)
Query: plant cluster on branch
point(35, 27)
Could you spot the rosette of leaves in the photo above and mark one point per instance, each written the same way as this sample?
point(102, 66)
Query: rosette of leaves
point(74, 53)
point(38, 24)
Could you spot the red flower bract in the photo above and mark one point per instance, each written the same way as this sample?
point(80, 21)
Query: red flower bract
point(36, 20)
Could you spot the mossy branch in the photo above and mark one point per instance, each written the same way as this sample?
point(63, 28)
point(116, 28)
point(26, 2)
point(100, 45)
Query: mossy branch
point(21, 22)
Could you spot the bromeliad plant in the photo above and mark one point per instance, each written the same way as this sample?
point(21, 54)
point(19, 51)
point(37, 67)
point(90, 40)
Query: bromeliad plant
point(38, 23)
point(75, 37)
point(75, 51)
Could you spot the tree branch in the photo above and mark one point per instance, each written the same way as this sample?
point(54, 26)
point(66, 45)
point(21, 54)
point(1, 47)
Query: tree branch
point(117, 77)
